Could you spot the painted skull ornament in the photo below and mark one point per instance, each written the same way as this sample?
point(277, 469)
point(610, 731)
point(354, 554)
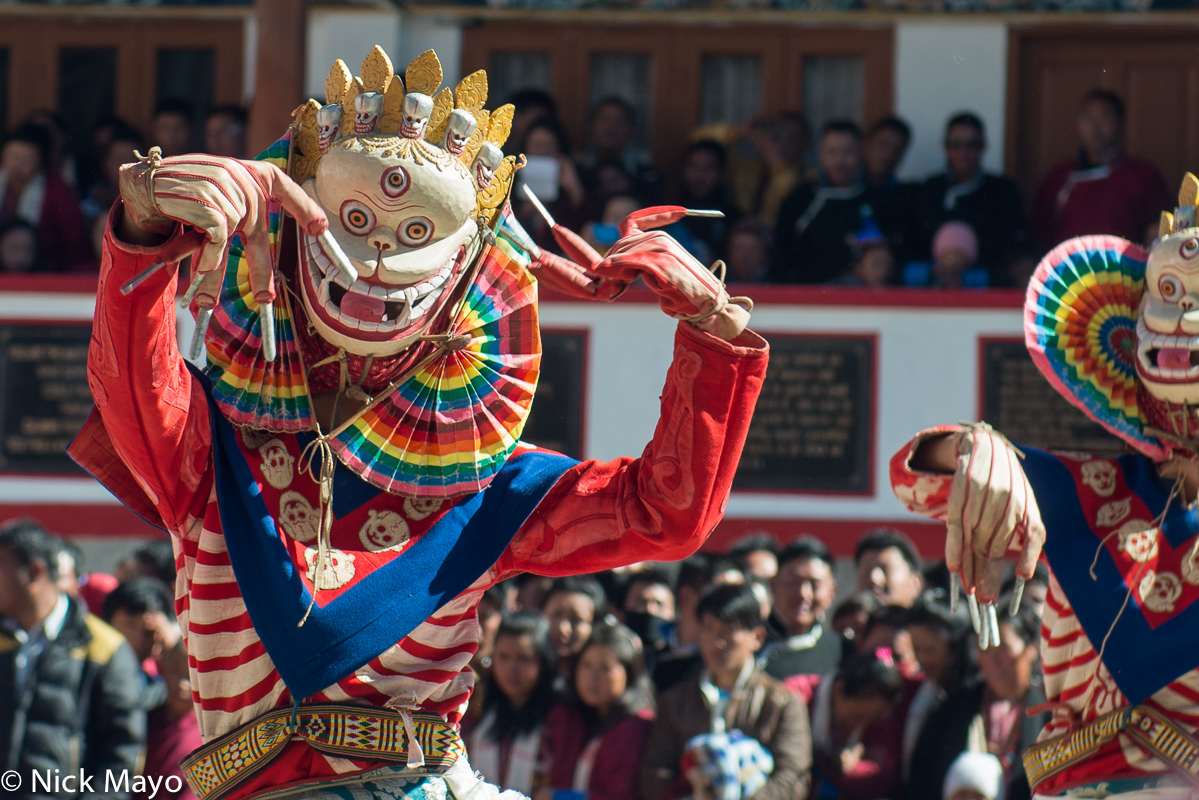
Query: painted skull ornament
point(367, 107)
point(459, 128)
point(329, 122)
point(486, 163)
point(417, 108)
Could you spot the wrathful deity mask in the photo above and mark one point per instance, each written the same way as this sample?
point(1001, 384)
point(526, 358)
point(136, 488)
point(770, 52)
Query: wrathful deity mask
point(395, 165)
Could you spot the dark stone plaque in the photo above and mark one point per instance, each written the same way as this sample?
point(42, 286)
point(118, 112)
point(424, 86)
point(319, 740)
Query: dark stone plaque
point(44, 396)
point(813, 428)
point(1020, 403)
point(556, 421)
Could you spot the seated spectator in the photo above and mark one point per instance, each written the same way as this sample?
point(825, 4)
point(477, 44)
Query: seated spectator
point(171, 128)
point(757, 554)
point(172, 731)
point(851, 616)
point(817, 223)
point(996, 705)
point(703, 188)
point(612, 136)
point(604, 232)
point(61, 162)
point(855, 735)
point(803, 591)
point(886, 631)
point(553, 178)
point(225, 132)
point(731, 694)
point(74, 693)
point(748, 254)
point(774, 166)
point(573, 606)
point(989, 204)
point(886, 563)
point(886, 144)
point(873, 264)
point(680, 659)
point(530, 106)
point(18, 246)
point(1103, 190)
point(595, 740)
point(121, 149)
point(519, 693)
point(943, 645)
point(974, 776)
point(955, 253)
point(30, 192)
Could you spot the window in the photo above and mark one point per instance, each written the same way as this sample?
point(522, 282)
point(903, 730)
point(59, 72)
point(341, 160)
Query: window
point(833, 88)
point(511, 72)
point(87, 80)
point(627, 76)
point(730, 88)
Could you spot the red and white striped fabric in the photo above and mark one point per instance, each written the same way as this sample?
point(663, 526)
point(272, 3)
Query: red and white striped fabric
point(1074, 675)
point(149, 441)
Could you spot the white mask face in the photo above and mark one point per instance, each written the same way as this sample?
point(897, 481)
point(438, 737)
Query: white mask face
point(1168, 321)
point(401, 212)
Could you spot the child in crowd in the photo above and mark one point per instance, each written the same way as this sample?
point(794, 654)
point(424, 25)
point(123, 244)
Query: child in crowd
point(604, 232)
point(851, 616)
point(855, 734)
point(873, 263)
point(593, 742)
point(18, 246)
point(886, 631)
point(519, 693)
point(974, 776)
point(573, 605)
point(955, 261)
point(731, 694)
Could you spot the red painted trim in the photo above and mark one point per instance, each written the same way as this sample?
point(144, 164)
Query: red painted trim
point(50, 284)
point(872, 432)
point(586, 334)
point(841, 535)
point(90, 519)
point(783, 295)
point(981, 368)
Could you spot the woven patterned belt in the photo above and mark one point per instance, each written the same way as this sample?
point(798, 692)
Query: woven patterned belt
point(377, 734)
point(1155, 734)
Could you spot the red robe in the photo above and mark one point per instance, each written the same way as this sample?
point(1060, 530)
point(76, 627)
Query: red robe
point(154, 450)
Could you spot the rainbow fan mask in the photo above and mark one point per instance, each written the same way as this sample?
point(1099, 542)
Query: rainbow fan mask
point(444, 432)
point(1080, 317)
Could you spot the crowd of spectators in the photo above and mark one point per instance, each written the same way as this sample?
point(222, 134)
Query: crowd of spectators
point(736, 675)
point(796, 210)
point(55, 194)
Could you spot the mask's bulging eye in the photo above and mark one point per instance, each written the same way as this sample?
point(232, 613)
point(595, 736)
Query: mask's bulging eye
point(1170, 287)
point(415, 231)
point(1189, 249)
point(357, 218)
point(394, 182)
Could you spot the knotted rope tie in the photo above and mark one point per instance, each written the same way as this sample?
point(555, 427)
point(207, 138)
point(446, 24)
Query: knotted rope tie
point(722, 300)
point(320, 446)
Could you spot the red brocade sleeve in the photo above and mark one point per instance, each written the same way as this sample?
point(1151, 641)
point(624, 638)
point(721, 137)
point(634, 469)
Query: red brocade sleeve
point(148, 438)
point(663, 505)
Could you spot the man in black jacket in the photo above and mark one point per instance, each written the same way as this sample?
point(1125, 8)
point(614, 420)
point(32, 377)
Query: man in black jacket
point(72, 684)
